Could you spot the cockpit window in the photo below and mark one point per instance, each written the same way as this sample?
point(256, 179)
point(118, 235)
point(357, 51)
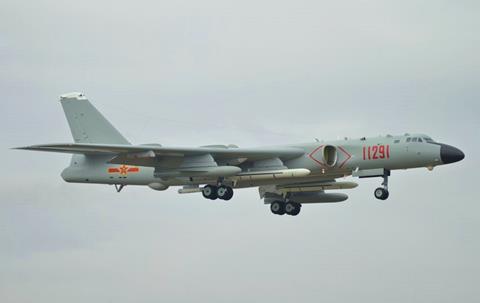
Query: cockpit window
point(414, 139)
point(420, 140)
point(408, 139)
point(396, 141)
point(428, 140)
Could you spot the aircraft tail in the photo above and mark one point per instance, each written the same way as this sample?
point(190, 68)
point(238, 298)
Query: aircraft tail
point(86, 123)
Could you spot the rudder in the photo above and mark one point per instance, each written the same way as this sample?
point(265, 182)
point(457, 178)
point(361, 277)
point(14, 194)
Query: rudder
point(86, 123)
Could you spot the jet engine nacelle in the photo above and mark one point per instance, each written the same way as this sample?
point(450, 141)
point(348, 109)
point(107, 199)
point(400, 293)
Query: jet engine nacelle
point(317, 197)
point(329, 155)
point(158, 186)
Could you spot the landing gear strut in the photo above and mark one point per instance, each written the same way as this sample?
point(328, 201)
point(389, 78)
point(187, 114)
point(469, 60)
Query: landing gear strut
point(382, 193)
point(213, 192)
point(119, 187)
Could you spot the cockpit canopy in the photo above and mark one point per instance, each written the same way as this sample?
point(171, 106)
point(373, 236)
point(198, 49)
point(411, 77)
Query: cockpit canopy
point(419, 138)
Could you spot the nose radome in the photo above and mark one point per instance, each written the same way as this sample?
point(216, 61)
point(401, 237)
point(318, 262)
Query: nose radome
point(450, 154)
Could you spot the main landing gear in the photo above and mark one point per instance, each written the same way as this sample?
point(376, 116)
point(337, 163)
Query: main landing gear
point(213, 192)
point(289, 208)
point(381, 193)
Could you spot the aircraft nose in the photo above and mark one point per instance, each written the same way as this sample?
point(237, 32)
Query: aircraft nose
point(450, 154)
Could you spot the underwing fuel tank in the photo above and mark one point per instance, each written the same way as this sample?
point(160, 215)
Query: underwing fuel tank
point(318, 197)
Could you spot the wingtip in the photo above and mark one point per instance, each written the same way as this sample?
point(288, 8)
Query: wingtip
point(20, 147)
point(73, 95)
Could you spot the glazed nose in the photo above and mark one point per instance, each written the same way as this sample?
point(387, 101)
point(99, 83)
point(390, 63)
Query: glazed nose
point(450, 154)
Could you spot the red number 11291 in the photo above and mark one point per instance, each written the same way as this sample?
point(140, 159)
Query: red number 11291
point(375, 152)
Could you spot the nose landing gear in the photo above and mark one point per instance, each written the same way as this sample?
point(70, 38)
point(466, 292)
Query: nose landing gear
point(382, 193)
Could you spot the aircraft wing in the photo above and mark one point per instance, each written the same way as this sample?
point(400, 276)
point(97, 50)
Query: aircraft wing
point(142, 154)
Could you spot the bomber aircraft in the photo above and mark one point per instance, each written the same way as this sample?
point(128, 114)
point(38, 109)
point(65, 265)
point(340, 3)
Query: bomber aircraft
point(287, 176)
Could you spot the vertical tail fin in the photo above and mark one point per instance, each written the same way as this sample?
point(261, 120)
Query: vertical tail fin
point(86, 123)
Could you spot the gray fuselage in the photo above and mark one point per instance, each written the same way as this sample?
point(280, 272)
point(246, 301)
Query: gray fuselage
point(386, 152)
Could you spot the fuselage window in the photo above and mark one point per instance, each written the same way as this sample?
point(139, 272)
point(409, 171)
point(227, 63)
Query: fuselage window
point(396, 141)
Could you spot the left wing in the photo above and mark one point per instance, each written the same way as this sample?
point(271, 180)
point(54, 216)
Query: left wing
point(147, 155)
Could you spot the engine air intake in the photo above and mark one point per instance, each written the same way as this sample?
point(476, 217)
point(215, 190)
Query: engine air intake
point(330, 155)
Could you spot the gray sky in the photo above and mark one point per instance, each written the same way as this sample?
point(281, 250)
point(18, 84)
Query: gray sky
point(250, 73)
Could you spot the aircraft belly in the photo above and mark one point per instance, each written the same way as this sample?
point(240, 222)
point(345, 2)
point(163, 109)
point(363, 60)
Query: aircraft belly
point(135, 175)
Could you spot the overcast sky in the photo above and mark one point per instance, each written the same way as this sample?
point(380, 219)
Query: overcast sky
point(249, 73)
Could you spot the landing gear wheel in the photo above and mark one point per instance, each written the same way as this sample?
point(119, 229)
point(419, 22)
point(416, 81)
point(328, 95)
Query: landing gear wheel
point(210, 192)
point(381, 193)
point(230, 193)
point(224, 192)
point(278, 207)
point(293, 208)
